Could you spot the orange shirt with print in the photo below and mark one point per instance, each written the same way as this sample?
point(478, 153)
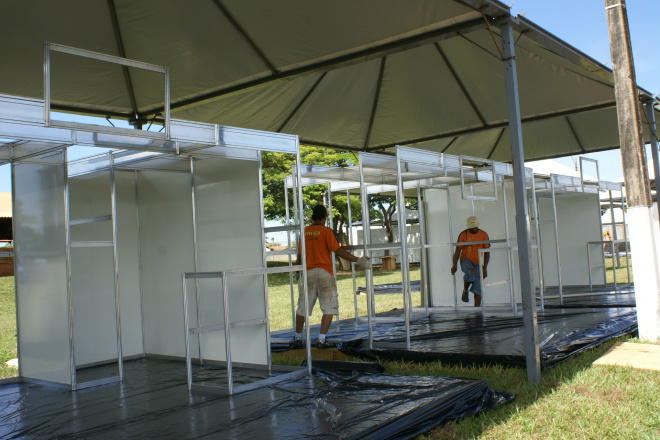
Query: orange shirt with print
point(319, 242)
point(472, 252)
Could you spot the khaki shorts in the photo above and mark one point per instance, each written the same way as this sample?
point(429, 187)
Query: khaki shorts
point(320, 285)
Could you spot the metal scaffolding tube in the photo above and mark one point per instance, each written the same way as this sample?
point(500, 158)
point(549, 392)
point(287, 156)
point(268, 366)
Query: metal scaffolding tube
point(288, 242)
point(69, 286)
point(554, 220)
point(451, 247)
point(115, 263)
point(366, 230)
point(405, 286)
point(227, 325)
point(539, 253)
point(16, 254)
point(423, 276)
point(139, 254)
point(350, 237)
point(194, 231)
point(512, 291)
point(301, 247)
point(264, 263)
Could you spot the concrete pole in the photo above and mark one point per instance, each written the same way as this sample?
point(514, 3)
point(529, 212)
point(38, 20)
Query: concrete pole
point(643, 235)
point(530, 321)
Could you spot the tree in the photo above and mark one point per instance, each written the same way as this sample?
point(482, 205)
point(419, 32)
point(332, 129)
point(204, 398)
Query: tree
point(387, 209)
point(276, 166)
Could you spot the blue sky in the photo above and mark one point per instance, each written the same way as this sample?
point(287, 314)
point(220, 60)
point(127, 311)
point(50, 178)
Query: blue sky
point(582, 24)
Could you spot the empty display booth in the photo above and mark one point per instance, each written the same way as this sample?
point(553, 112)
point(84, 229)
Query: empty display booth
point(102, 243)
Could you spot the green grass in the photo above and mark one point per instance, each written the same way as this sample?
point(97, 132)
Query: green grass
point(7, 326)
point(621, 271)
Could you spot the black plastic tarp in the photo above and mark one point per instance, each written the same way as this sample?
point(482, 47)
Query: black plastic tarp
point(154, 402)
point(468, 338)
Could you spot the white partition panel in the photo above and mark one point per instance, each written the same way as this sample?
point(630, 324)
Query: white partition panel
point(39, 240)
point(229, 236)
point(166, 248)
point(92, 271)
point(438, 232)
point(578, 218)
point(129, 264)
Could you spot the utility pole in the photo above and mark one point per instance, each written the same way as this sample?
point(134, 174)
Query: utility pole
point(644, 238)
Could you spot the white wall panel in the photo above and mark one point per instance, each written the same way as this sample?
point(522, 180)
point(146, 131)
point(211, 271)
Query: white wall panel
point(229, 237)
point(577, 223)
point(129, 265)
point(43, 323)
point(92, 273)
point(166, 244)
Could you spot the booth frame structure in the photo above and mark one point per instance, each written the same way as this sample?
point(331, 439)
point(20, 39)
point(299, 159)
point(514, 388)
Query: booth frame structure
point(30, 135)
point(393, 175)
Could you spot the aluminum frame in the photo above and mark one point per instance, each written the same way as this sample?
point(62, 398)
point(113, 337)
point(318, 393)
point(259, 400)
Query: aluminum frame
point(226, 327)
point(53, 47)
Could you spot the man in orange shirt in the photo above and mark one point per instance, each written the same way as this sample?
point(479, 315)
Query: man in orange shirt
point(320, 241)
point(469, 257)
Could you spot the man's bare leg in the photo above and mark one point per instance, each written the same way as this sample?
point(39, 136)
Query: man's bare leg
point(477, 300)
point(326, 320)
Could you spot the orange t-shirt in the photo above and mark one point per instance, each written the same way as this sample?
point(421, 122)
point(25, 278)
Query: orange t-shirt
point(319, 242)
point(472, 252)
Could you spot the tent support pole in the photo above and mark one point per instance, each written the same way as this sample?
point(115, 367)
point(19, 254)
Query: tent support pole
point(532, 354)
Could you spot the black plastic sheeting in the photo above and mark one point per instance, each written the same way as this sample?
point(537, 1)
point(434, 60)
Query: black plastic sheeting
point(154, 402)
point(467, 338)
point(606, 301)
point(415, 286)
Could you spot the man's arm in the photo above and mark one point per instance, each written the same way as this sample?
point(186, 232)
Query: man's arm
point(455, 257)
point(342, 252)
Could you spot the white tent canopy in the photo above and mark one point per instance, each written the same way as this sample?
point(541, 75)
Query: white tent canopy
point(364, 75)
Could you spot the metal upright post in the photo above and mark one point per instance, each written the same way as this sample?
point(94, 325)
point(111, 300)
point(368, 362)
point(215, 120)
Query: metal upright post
point(624, 204)
point(423, 288)
point(225, 306)
point(194, 230)
point(67, 250)
point(350, 239)
point(187, 334)
point(653, 135)
point(554, 219)
point(334, 258)
point(512, 291)
point(303, 258)
point(539, 252)
point(265, 264)
point(115, 263)
point(288, 241)
point(364, 201)
point(16, 253)
point(451, 248)
point(139, 251)
point(405, 286)
point(614, 233)
point(532, 354)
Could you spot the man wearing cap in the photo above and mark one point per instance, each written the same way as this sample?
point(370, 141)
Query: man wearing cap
point(469, 257)
point(320, 241)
